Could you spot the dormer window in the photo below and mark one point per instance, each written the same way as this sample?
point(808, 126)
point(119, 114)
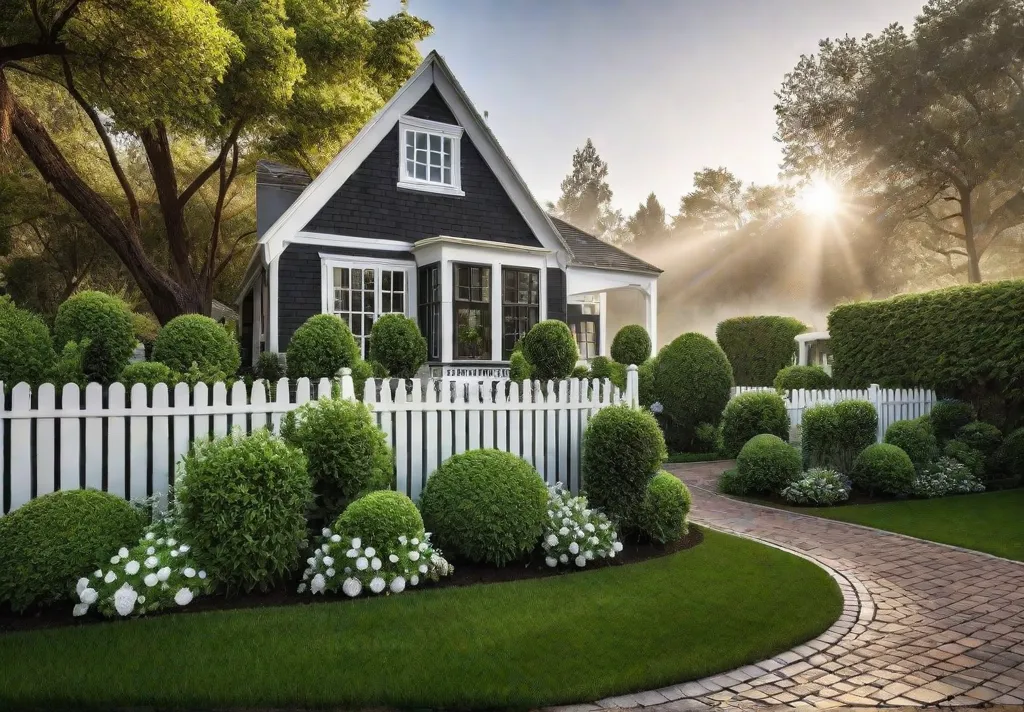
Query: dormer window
point(428, 156)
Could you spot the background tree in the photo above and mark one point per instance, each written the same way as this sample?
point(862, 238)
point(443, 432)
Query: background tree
point(648, 224)
point(586, 197)
point(719, 202)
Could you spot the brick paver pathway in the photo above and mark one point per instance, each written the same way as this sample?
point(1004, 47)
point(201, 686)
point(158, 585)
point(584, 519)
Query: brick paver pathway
point(924, 624)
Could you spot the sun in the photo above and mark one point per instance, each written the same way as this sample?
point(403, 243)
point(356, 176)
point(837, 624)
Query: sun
point(819, 197)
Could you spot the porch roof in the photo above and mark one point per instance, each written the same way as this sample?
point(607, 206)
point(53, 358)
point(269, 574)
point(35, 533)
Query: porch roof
point(590, 251)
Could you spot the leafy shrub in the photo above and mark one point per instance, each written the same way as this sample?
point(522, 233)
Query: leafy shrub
point(242, 502)
point(766, 464)
point(758, 346)
point(550, 350)
point(578, 372)
point(692, 381)
point(48, 542)
point(70, 365)
point(818, 486)
point(601, 367)
point(707, 438)
point(750, 414)
point(833, 435)
point(379, 370)
point(361, 372)
point(148, 372)
point(883, 468)
point(732, 483)
point(949, 416)
point(794, 378)
point(1011, 454)
point(379, 518)
point(348, 454)
point(204, 374)
point(146, 330)
point(987, 440)
point(914, 437)
point(631, 345)
point(106, 321)
point(575, 533)
point(269, 367)
point(321, 347)
point(396, 344)
point(945, 476)
point(518, 367)
point(486, 506)
point(622, 450)
point(645, 383)
point(198, 339)
point(26, 351)
point(665, 508)
point(963, 453)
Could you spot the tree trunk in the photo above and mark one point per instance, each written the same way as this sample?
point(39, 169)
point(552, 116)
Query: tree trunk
point(970, 243)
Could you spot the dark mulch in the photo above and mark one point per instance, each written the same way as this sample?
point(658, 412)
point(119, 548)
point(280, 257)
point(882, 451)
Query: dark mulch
point(466, 574)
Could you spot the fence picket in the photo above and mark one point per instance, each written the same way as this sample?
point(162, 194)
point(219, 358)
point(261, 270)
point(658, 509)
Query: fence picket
point(551, 464)
point(526, 426)
point(473, 416)
point(538, 431)
point(239, 399)
point(70, 437)
point(445, 414)
point(258, 398)
point(161, 445)
point(432, 411)
point(138, 458)
point(415, 441)
point(45, 482)
point(181, 424)
point(21, 448)
point(515, 438)
point(401, 445)
point(94, 437)
point(563, 441)
point(201, 399)
point(116, 442)
point(487, 416)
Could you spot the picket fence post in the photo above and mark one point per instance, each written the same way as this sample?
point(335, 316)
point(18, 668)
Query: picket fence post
point(632, 386)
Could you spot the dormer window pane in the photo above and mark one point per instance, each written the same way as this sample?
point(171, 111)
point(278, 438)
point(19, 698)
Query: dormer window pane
point(430, 158)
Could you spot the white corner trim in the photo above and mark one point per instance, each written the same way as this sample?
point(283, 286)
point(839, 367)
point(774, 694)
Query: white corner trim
point(473, 242)
point(274, 295)
point(413, 122)
point(351, 241)
point(330, 259)
point(424, 186)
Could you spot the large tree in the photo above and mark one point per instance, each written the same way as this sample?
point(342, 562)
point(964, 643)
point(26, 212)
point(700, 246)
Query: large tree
point(720, 202)
point(191, 91)
point(648, 225)
point(587, 198)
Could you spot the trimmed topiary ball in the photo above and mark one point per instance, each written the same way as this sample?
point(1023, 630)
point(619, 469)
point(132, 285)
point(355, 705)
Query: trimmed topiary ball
point(242, 502)
point(26, 351)
point(108, 324)
point(49, 542)
point(645, 383)
point(767, 464)
point(914, 437)
point(622, 450)
point(883, 468)
point(750, 414)
point(631, 345)
point(602, 367)
point(194, 338)
point(396, 344)
point(321, 347)
point(485, 506)
point(550, 350)
point(693, 383)
point(518, 367)
point(148, 372)
point(378, 519)
point(666, 506)
point(795, 378)
point(949, 416)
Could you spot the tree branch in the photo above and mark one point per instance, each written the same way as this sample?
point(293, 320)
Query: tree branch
point(28, 50)
point(231, 253)
point(226, 177)
point(62, 19)
point(204, 176)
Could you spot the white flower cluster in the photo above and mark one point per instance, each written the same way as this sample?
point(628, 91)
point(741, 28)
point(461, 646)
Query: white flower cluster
point(156, 573)
point(574, 533)
point(946, 476)
point(818, 486)
point(349, 566)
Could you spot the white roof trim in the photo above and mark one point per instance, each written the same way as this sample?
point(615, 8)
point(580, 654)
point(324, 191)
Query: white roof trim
point(472, 242)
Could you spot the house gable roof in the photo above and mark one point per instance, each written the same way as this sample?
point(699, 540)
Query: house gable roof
point(590, 251)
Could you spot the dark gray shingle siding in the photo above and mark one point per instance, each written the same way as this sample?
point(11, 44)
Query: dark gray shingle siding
point(556, 294)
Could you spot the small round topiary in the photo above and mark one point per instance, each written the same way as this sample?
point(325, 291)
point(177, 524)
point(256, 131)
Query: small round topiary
point(602, 367)
point(631, 345)
point(795, 378)
point(622, 450)
point(883, 468)
point(949, 416)
point(666, 506)
point(397, 344)
point(194, 338)
point(750, 414)
point(914, 437)
point(148, 372)
point(321, 347)
point(242, 502)
point(26, 351)
point(645, 383)
point(378, 519)
point(518, 367)
point(485, 506)
point(766, 464)
point(108, 324)
point(49, 542)
point(550, 350)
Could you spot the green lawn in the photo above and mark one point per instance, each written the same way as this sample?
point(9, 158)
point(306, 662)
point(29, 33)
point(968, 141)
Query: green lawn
point(572, 638)
point(992, 522)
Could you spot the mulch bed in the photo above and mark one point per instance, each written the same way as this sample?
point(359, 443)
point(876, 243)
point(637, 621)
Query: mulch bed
point(466, 574)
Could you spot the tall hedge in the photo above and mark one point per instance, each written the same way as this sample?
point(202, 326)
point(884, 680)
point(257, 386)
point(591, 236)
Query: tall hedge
point(965, 342)
point(26, 352)
point(692, 381)
point(759, 346)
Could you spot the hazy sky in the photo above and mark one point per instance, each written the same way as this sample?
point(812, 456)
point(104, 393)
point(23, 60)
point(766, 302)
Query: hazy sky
point(663, 87)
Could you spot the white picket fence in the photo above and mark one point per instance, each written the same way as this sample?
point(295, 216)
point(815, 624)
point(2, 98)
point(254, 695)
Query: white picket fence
point(890, 404)
point(127, 442)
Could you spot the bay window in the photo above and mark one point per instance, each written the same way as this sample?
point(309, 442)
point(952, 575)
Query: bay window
point(471, 305)
point(520, 309)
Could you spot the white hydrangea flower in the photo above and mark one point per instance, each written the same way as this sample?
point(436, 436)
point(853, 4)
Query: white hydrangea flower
point(328, 561)
point(335, 538)
point(376, 563)
point(589, 528)
point(189, 572)
point(311, 561)
point(124, 600)
point(88, 596)
point(611, 554)
point(172, 542)
point(357, 543)
point(202, 574)
point(594, 541)
point(423, 546)
point(142, 599)
point(415, 541)
point(377, 584)
point(110, 577)
point(393, 558)
point(352, 553)
point(83, 583)
point(174, 553)
point(397, 584)
point(563, 559)
point(552, 540)
point(151, 562)
point(150, 536)
point(151, 580)
point(164, 573)
point(325, 531)
point(326, 548)
point(574, 548)
point(352, 587)
point(362, 563)
point(184, 548)
point(131, 568)
point(123, 552)
point(581, 561)
point(115, 560)
point(330, 573)
point(150, 551)
point(424, 568)
point(551, 561)
point(160, 540)
point(403, 540)
point(414, 555)
point(80, 609)
point(183, 597)
point(317, 584)
point(414, 580)
point(370, 552)
point(98, 573)
point(588, 555)
point(302, 588)
point(617, 546)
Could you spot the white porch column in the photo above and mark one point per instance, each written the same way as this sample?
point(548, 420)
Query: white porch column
point(602, 325)
point(273, 296)
point(447, 317)
point(257, 317)
point(651, 302)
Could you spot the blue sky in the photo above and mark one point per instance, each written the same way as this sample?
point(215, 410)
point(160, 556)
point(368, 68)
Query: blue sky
point(663, 87)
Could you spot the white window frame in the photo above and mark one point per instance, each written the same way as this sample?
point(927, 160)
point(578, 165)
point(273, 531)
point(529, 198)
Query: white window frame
point(434, 128)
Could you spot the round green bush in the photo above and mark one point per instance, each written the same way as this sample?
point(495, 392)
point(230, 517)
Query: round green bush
point(26, 351)
point(622, 450)
point(966, 455)
point(707, 438)
point(914, 437)
point(269, 367)
point(731, 483)
point(983, 437)
point(148, 372)
point(602, 367)
point(1011, 454)
point(396, 344)
point(518, 367)
point(631, 345)
point(49, 543)
point(883, 468)
point(194, 338)
point(378, 519)
point(362, 371)
point(766, 464)
point(692, 381)
point(833, 435)
point(750, 414)
point(645, 383)
point(242, 502)
point(578, 372)
point(550, 350)
point(485, 506)
point(758, 346)
point(949, 416)
point(108, 324)
point(321, 347)
point(795, 378)
point(666, 505)
point(348, 454)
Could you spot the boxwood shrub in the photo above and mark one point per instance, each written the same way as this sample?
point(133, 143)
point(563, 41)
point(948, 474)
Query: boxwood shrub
point(485, 506)
point(49, 542)
point(148, 372)
point(26, 351)
point(665, 508)
point(833, 435)
point(750, 414)
point(198, 339)
point(378, 519)
point(321, 347)
point(971, 458)
point(602, 367)
point(396, 344)
point(794, 378)
point(914, 437)
point(1011, 454)
point(883, 468)
point(707, 439)
point(986, 439)
point(108, 324)
point(518, 367)
point(269, 367)
point(550, 350)
point(948, 416)
point(758, 346)
point(631, 345)
point(645, 383)
point(766, 464)
point(693, 382)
